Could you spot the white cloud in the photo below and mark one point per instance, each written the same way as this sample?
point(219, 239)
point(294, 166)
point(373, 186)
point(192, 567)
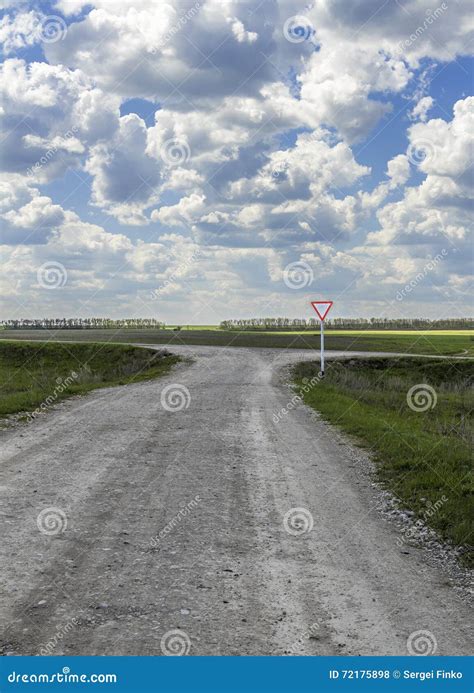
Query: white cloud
point(250, 158)
point(26, 215)
point(445, 148)
point(19, 31)
point(413, 30)
point(50, 116)
point(438, 212)
point(70, 7)
point(240, 33)
point(146, 49)
point(420, 110)
point(398, 170)
point(125, 178)
point(338, 81)
point(187, 209)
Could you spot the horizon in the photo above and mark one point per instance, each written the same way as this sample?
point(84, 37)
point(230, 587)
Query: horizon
point(243, 319)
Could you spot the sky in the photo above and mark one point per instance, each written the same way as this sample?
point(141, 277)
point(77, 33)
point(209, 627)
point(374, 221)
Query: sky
point(212, 159)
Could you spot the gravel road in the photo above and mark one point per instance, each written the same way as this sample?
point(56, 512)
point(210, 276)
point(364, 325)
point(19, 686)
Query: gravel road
point(163, 520)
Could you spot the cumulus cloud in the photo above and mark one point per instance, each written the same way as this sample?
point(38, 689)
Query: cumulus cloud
point(420, 110)
point(150, 49)
point(442, 148)
point(50, 116)
point(412, 31)
point(26, 215)
point(337, 85)
point(19, 31)
point(256, 154)
point(187, 209)
point(124, 176)
point(435, 216)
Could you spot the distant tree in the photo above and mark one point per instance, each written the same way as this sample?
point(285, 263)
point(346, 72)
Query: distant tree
point(349, 323)
point(81, 324)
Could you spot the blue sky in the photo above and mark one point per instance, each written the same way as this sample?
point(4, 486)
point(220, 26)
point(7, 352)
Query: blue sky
point(197, 161)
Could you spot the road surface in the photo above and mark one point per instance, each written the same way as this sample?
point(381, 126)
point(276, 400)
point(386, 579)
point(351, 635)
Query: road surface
point(175, 520)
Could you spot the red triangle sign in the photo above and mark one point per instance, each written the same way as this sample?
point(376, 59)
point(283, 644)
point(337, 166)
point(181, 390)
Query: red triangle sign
point(322, 308)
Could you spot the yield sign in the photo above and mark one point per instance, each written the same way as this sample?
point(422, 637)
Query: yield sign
point(322, 308)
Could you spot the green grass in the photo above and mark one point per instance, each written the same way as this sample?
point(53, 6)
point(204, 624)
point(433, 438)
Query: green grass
point(421, 456)
point(429, 343)
point(37, 375)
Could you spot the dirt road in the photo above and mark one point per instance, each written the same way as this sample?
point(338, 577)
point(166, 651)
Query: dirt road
point(174, 509)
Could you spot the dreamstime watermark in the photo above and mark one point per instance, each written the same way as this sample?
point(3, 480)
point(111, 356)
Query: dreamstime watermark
point(298, 29)
point(431, 17)
point(175, 397)
point(175, 151)
point(175, 275)
point(298, 275)
point(63, 676)
point(61, 386)
point(298, 521)
point(175, 643)
point(415, 529)
point(421, 151)
point(51, 521)
point(421, 643)
point(296, 400)
point(175, 521)
point(433, 508)
point(421, 397)
point(279, 172)
point(52, 151)
point(52, 275)
point(429, 267)
point(35, 27)
point(51, 29)
point(295, 647)
point(48, 648)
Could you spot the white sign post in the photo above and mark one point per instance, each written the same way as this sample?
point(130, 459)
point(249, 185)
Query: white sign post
point(321, 339)
point(322, 308)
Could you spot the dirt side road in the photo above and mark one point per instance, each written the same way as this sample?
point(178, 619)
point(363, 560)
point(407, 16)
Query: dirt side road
point(175, 520)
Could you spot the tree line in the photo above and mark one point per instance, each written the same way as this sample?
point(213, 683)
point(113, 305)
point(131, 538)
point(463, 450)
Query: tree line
point(349, 324)
point(251, 324)
point(82, 324)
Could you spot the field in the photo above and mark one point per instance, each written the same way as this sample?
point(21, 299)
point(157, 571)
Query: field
point(428, 342)
point(38, 375)
point(422, 443)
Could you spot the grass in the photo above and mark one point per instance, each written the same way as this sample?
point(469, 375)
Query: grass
point(426, 342)
point(372, 333)
point(423, 457)
point(36, 375)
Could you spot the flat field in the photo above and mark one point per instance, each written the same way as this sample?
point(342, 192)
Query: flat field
point(434, 343)
point(37, 375)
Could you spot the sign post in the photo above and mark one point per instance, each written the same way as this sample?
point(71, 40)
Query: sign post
point(321, 339)
point(322, 308)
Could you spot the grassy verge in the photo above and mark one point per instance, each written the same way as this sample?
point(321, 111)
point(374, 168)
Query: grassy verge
point(423, 457)
point(429, 343)
point(36, 375)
